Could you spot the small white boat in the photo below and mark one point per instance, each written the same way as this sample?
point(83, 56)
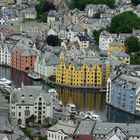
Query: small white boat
point(34, 76)
point(5, 81)
point(88, 114)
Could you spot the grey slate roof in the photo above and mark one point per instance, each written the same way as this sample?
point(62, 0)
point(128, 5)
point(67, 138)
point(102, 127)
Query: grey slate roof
point(119, 53)
point(103, 128)
point(50, 58)
point(85, 127)
point(26, 51)
point(78, 61)
point(128, 82)
point(66, 127)
point(29, 94)
point(83, 37)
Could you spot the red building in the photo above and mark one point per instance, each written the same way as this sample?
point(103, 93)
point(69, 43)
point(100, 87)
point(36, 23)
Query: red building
point(83, 137)
point(23, 58)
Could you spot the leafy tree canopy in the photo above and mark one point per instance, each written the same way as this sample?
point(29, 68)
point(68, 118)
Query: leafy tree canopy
point(135, 2)
point(133, 48)
point(124, 22)
point(96, 34)
point(43, 7)
point(133, 44)
point(53, 40)
point(80, 4)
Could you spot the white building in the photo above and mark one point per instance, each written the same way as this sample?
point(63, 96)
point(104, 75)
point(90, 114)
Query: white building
point(31, 100)
point(45, 64)
point(30, 13)
point(5, 53)
point(2, 21)
point(61, 130)
point(105, 39)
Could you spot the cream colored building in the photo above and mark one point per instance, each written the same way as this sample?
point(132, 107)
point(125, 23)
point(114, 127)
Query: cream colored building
point(31, 100)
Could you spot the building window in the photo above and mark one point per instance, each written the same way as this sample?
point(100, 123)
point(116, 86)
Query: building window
point(39, 99)
point(19, 107)
point(19, 114)
point(27, 113)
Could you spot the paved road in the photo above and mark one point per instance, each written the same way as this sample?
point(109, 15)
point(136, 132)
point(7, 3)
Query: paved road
point(4, 117)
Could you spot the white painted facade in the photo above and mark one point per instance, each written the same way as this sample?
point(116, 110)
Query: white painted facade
point(5, 54)
point(51, 32)
point(108, 91)
point(59, 135)
point(61, 130)
point(27, 105)
point(45, 64)
point(2, 21)
point(50, 19)
point(105, 39)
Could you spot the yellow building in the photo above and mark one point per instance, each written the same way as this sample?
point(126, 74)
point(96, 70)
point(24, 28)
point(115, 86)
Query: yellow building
point(82, 75)
point(116, 46)
point(10, 1)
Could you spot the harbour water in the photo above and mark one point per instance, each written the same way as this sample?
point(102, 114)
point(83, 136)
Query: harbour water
point(83, 99)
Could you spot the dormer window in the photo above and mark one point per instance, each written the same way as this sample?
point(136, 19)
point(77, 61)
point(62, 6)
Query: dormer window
point(23, 101)
point(22, 96)
point(31, 96)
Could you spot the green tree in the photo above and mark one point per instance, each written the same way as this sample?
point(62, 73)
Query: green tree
point(135, 2)
point(31, 120)
point(96, 34)
point(43, 7)
point(49, 121)
point(53, 40)
point(132, 44)
point(124, 22)
point(80, 4)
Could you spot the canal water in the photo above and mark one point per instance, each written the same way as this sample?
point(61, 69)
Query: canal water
point(83, 99)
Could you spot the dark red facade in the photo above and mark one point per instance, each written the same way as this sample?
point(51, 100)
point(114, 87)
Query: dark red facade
point(22, 62)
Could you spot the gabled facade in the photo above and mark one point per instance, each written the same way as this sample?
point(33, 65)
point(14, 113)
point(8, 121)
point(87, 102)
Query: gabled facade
point(61, 130)
point(23, 55)
point(31, 100)
point(93, 75)
point(123, 92)
point(105, 39)
point(45, 64)
point(82, 40)
point(5, 54)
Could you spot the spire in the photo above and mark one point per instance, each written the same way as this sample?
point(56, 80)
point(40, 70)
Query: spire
point(62, 56)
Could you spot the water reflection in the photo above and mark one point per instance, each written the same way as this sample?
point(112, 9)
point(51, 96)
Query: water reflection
point(83, 99)
point(16, 76)
point(115, 115)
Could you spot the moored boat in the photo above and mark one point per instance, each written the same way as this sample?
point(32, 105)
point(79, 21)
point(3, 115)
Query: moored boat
point(34, 76)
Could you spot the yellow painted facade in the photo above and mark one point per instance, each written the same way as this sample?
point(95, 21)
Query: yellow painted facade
point(115, 47)
point(10, 1)
point(85, 76)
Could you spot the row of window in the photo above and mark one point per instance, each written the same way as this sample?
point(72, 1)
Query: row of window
point(58, 137)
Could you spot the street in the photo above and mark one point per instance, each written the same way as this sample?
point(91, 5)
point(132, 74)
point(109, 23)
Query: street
point(4, 119)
